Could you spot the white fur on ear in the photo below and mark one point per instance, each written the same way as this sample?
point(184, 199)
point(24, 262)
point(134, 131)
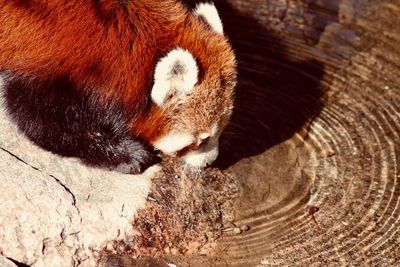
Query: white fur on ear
point(175, 73)
point(210, 14)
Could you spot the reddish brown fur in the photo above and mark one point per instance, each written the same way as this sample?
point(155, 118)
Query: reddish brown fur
point(110, 46)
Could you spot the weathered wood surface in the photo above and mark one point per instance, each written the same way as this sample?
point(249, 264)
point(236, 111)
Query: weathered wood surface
point(294, 149)
point(314, 142)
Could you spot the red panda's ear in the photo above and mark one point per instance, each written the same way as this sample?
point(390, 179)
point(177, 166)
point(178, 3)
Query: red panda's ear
point(175, 76)
point(209, 14)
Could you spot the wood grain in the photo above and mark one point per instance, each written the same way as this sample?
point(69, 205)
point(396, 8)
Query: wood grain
point(314, 140)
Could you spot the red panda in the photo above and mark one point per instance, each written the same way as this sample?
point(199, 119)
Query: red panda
point(114, 81)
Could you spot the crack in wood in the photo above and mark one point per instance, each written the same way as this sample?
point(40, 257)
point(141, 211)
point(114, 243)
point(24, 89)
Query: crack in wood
point(50, 175)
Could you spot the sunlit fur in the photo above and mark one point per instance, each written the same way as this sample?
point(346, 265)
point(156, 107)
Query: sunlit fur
point(107, 51)
point(210, 14)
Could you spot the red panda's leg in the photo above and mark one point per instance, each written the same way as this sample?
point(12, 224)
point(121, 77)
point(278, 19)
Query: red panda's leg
point(57, 118)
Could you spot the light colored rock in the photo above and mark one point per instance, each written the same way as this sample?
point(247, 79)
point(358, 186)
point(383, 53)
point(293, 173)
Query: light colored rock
point(55, 211)
point(4, 262)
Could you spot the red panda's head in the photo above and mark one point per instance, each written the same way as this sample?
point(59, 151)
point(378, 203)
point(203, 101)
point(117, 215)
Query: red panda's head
point(194, 90)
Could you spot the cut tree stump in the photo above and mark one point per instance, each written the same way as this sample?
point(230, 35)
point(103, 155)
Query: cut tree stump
point(308, 172)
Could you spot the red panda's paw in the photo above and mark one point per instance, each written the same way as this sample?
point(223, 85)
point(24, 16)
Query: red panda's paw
point(119, 152)
point(135, 157)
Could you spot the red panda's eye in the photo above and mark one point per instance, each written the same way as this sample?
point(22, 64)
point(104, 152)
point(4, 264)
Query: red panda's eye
point(204, 140)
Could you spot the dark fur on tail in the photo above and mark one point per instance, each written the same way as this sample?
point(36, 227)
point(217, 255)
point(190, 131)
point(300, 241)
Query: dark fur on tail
point(59, 118)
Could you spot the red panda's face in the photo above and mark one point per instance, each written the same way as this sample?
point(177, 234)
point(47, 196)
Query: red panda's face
point(198, 107)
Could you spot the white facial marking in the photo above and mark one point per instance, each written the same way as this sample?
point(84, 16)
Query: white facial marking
point(214, 129)
point(172, 143)
point(203, 136)
point(210, 14)
point(202, 157)
point(2, 80)
point(175, 73)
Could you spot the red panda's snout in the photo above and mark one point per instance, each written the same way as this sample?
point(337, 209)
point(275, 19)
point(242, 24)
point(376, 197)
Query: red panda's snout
point(191, 147)
point(195, 91)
